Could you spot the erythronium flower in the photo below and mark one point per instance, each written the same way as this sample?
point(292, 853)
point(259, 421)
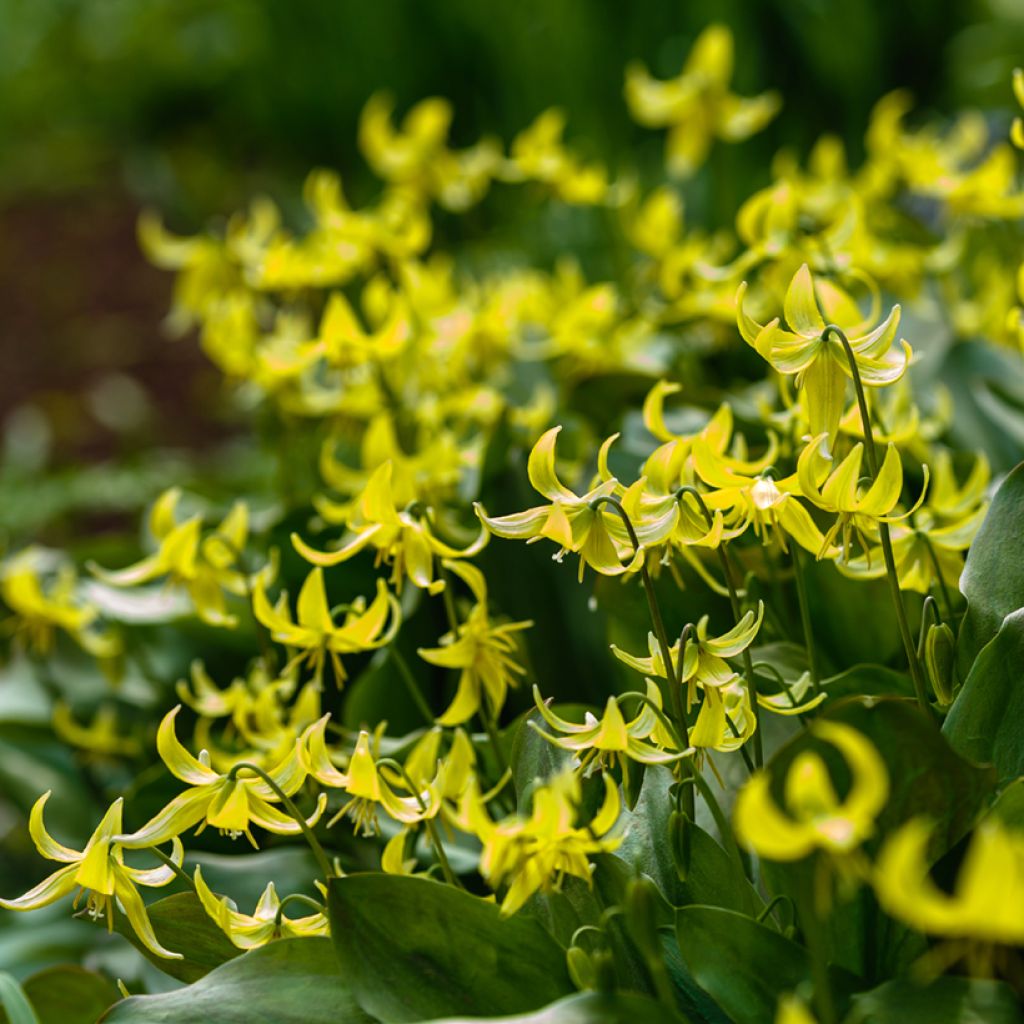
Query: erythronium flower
point(533, 853)
point(314, 631)
point(821, 364)
point(857, 511)
point(814, 817)
point(39, 610)
point(232, 802)
point(725, 720)
point(366, 784)
point(483, 651)
point(698, 105)
point(204, 567)
point(402, 537)
point(596, 742)
point(577, 523)
point(247, 931)
point(987, 900)
point(704, 663)
point(100, 871)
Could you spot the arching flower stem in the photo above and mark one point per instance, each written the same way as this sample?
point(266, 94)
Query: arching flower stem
point(737, 612)
point(675, 694)
point(314, 844)
point(296, 897)
point(805, 619)
point(883, 527)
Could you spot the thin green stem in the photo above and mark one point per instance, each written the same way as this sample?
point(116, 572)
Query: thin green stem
point(174, 866)
point(675, 697)
point(725, 831)
point(314, 843)
point(813, 921)
point(435, 839)
point(737, 613)
point(805, 618)
point(937, 569)
point(296, 897)
point(883, 527)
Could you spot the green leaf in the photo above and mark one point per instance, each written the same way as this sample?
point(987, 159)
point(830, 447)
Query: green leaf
point(413, 949)
point(993, 577)
point(869, 681)
point(535, 758)
point(943, 1001)
point(1009, 808)
point(585, 1008)
point(712, 879)
point(14, 1002)
point(986, 722)
point(290, 981)
point(69, 994)
point(744, 966)
point(182, 926)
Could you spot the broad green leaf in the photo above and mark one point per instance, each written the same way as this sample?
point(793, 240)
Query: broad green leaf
point(993, 577)
point(413, 949)
point(868, 681)
point(586, 1008)
point(16, 1006)
point(986, 722)
point(69, 994)
point(1009, 808)
point(713, 877)
point(183, 926)
point(535, 758)
point(744, 966)
point(943, 1001)
point(290, 981)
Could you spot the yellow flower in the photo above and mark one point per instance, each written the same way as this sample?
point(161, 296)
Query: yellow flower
point(368, 785)
point(697, 105)
point(572, 521)
point(313, 630)
point(247, 931)
point(987, 900)
point(402, 537)
point(821, 366)
point(815, 818)
point(484, 652)
point(839, 491)
point(231, 802)
point(205, 567)
point(597, 742)
point(100, 871)
point(39, 611)
point(1017, 128)
point(100, 738)
point(534, 853)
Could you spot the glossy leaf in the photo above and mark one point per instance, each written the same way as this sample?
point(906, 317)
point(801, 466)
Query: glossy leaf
point(291, 981)
point(69, 995)
point(944, 1001)
point(585, 1008)
point(413, 949)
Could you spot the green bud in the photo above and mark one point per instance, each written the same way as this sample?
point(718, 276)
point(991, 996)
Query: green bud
point(940, 661)
point(681, 837)
point(642, 914)
point(582, 968)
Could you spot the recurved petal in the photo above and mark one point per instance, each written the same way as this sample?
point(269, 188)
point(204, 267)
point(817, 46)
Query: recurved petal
point(800, 306)
point(518, 525)
point(540, 468)
point(184, 811)
point(135, 910)
point(181, 763)
point(763, 828)
point(48, 891)
point(45, 843)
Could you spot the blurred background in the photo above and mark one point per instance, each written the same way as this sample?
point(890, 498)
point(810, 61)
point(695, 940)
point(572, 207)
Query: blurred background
point(194, 106)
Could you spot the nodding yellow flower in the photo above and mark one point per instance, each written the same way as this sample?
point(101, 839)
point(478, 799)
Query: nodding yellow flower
point(814, 817)
point(539, 154)
point(343, 342)
point(451, 774)
point(417, 156)
point(821, 366)
point(599, 742)
point(368, 785)
point(247, 931)
point(402, 537)
point(770, 506)
point(697, 105)
point(985, 905)
point(204, 566)
point(484, 652)
point(231, 801)
point(839, 491)
point(725, 720)
point(39, 610)
point(314, 632)
point(100, 871)
point(100, 738)
point(704, 663)
point(534, 853)
point(572, 521)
